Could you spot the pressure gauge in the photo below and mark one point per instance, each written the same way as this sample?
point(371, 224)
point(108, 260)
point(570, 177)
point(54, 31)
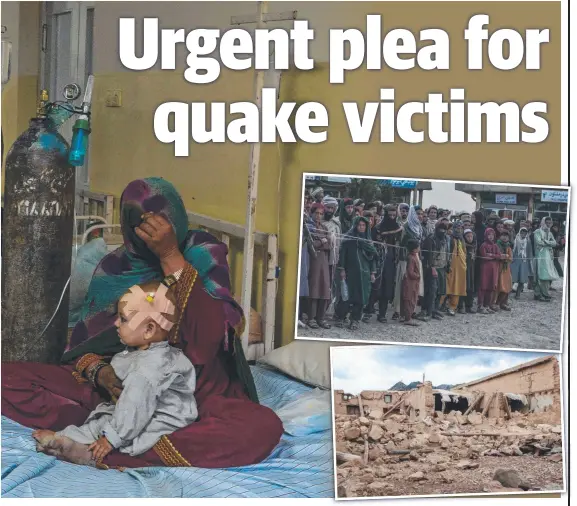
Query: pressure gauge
point(71, 92)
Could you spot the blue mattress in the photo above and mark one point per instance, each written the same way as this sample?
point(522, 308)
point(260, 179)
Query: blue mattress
point(298, 467)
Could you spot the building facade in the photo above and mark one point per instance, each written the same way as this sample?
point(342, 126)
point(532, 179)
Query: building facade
point(532, 387)
point(401, 190)
point(518, 202)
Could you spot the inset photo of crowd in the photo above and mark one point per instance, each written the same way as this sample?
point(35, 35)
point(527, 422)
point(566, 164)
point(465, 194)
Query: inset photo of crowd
point(432, 262)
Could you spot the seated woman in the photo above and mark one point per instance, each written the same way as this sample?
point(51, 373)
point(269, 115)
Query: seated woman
point(232, 428)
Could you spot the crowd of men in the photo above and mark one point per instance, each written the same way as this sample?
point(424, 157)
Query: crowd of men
point(423, 263)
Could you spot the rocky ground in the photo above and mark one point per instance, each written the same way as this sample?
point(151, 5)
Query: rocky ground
point(530, 325)
point(433, 457)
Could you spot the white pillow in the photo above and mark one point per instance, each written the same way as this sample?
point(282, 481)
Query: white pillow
point(306, 361)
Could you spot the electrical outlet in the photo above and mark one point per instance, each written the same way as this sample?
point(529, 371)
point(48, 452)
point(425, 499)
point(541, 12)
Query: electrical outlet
point(113, 98)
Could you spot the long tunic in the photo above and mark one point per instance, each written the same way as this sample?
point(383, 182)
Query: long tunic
point(358, 269)
point(520, 268)
point(457, 278)
point(157, 399)
point(489, 254)
point(435, 257)
point(334, 232)
point(304, 274)
point(505, 283)
point(411, 280)
point(544, 266)
point(406, 236)
point(471, 269)
point(319, 273)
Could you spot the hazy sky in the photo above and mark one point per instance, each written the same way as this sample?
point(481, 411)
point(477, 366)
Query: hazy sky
point(444, 195)
point(380, 367)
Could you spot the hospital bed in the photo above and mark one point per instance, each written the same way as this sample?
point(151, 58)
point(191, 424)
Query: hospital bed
point(300, 466)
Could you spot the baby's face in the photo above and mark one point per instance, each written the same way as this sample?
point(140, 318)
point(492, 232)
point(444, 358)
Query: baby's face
point(128, 335)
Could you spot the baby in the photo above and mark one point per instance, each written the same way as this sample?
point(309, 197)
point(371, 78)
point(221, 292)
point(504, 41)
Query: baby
point(158, 386)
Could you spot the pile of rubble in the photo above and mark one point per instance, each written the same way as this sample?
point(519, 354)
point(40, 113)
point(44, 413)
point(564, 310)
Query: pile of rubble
point(372, 453)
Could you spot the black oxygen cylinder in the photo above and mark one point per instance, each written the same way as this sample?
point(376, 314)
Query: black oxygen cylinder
point(37, 245)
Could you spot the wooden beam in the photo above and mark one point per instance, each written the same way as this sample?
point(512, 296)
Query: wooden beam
point(506, 405)
point(362, 411)
point(475, 403)
point(366, 454)
point(347, 457)
point(488, 405)
point(399, 402)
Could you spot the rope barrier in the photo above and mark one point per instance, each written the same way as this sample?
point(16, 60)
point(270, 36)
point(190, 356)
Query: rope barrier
point(385, 246)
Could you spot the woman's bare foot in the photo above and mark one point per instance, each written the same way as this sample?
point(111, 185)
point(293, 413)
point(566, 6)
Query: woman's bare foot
point(63, 448)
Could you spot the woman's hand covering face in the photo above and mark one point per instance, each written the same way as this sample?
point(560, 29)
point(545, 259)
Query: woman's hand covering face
point(158, 234)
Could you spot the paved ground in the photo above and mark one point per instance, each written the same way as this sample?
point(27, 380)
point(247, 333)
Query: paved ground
point(530, 325)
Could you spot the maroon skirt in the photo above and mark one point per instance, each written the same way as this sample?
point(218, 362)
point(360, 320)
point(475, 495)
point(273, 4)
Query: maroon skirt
point(230, 431)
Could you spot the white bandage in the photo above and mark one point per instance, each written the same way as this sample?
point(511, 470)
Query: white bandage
point(141, 305)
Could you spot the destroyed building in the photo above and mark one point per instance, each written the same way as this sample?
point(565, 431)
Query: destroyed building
point(500, 433)
point(529, 387)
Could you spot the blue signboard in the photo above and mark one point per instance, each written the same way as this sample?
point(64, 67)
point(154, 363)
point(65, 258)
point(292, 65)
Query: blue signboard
point(339, 179)
point(400, 183)
point(561, 196)
point(505, 198)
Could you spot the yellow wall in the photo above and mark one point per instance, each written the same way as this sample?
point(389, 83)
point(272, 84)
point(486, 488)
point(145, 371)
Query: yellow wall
point(19, 96)
point(18, 106)
point(213, 179)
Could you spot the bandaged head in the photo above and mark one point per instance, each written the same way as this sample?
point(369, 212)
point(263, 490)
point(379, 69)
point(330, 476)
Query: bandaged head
point(154, 305)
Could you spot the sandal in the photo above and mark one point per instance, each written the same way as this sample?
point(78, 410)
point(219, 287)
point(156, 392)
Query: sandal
point(366, 318)
point(354, 325)
point(504, 307)
point(395, 316)
point(382, 319)
point(340, 324)
point(313, 324)
point(324, 325)
point(411, 323)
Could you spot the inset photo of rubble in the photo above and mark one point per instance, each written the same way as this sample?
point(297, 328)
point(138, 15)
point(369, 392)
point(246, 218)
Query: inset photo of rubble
point(426, 421)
